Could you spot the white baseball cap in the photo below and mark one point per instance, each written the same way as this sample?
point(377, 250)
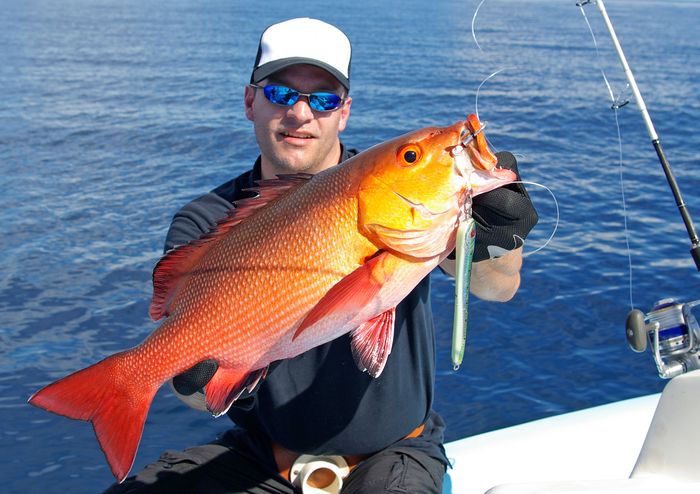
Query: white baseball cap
point(303, 41)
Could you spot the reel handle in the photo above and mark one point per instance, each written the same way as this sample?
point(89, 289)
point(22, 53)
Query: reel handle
point(636, 331)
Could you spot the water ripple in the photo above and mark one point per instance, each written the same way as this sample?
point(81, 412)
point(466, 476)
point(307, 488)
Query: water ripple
point(114, 114)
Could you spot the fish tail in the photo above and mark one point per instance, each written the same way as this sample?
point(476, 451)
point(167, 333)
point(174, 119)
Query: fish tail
point(109, 396)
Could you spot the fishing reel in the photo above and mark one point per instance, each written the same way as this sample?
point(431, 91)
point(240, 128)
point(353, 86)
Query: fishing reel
point(673, 332)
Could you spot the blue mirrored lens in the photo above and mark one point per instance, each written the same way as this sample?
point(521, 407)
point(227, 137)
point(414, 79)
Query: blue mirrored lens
point(285, 96)
point(324, 101)
point(281, 95)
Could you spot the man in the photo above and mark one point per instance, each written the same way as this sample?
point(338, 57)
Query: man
point(384, 430)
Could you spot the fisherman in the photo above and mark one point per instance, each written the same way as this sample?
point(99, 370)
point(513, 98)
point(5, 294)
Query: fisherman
point(382, 430)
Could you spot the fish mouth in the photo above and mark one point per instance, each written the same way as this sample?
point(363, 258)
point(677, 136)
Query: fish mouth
point(474, 141)
point(475, 163)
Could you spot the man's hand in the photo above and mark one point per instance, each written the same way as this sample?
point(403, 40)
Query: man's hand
point(188, 385)
point(503, 217)
point(194, 379)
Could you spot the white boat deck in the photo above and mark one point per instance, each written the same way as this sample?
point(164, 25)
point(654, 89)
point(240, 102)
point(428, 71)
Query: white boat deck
point(644, 445)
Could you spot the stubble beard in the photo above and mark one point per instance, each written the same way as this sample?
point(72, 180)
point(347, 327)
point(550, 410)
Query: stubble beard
point(311, 160)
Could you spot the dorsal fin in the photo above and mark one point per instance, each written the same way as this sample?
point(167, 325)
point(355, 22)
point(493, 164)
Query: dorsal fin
point(179, 261)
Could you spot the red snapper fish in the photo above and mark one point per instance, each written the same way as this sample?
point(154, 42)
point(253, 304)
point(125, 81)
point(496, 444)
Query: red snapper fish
point(308, 260)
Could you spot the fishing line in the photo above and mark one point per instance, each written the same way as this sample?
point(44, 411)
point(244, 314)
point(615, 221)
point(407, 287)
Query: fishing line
point(556, 203)
point(476, 112)
point(624, 205)
point(476, 12)
point(597, 52)
point(556, 221)
point(617, 103)
point(476, 98)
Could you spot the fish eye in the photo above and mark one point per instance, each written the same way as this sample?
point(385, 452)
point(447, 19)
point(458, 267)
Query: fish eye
point(409, 154)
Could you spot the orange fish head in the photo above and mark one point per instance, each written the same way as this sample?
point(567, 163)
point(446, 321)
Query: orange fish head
point(412, 194)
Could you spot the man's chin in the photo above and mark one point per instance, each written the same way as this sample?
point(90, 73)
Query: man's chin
point(300, 159)
point(298, 164)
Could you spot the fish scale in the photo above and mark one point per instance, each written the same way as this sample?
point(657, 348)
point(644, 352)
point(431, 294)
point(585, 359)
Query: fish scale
point(236, 273)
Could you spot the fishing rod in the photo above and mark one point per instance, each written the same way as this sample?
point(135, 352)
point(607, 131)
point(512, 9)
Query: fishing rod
point(683, 210)
point(670, 326)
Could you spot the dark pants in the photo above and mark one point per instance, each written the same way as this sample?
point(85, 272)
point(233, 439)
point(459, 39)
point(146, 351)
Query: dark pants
point(239, 462)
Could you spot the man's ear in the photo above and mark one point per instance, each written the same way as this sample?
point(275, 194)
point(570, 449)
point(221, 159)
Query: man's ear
point(344, 114)
point(248, 98)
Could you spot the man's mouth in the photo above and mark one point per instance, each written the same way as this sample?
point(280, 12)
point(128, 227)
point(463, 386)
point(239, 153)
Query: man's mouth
point(296, 135)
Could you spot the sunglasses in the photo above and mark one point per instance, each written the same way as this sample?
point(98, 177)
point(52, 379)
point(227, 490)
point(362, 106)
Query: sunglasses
point(286, 96)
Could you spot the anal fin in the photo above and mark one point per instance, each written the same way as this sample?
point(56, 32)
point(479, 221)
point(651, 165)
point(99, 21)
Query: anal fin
point(227, 385)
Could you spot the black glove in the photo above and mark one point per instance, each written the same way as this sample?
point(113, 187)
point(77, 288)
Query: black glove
point(188, 386)
point(195, 378)
point(504, 216)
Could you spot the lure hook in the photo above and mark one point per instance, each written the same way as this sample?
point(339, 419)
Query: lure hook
point(466, 136)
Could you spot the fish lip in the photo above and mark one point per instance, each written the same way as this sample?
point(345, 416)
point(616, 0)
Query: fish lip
point(475, 163)
point(474, 141)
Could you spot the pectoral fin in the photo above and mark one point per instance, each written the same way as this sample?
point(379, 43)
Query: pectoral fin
point(351, 294)
point(372, 342)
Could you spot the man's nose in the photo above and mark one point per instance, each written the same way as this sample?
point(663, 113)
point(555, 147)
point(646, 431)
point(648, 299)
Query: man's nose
point(301, 109)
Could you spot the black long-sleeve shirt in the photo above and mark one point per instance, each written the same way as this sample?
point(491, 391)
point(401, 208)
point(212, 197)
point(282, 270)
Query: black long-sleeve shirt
point(320, 402)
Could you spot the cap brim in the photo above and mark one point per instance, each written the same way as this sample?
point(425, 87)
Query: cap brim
point(270, 68)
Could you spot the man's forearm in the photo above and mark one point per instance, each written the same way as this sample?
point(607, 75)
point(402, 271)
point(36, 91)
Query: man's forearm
point(493, 279)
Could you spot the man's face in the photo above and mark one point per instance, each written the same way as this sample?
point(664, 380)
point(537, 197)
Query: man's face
point(296, 138)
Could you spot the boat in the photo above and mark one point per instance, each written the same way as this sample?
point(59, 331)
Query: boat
point(645, 444)
point(642, 445)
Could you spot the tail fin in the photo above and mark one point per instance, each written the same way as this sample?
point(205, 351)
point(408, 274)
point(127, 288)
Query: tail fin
point(107, 395)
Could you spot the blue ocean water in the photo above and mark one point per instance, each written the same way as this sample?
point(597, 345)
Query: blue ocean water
point(115, 113)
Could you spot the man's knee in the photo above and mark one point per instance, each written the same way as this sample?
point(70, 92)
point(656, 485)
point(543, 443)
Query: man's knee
point(398, 471)
point(173, 469)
